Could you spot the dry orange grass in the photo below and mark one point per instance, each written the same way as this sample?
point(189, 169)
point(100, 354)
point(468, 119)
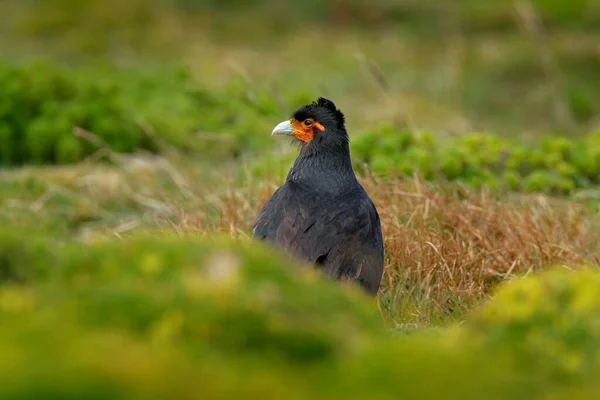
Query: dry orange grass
point(446, 246)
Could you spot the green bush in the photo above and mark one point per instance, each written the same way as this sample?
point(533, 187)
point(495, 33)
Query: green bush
point(234, 298)
point(166, 317)
point(548, 326)
point(41, 103)
point(552, 165)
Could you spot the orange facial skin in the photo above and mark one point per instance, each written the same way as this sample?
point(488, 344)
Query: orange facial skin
point(305, 130)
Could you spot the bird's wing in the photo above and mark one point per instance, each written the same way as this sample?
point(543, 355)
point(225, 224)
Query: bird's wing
point(341, 235)
point(359, 243)
point(359, 255)
point(307, 229)
point(289, 219)
point(330, 231)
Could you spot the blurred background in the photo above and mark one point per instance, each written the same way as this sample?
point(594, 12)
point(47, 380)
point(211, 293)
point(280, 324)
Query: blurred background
point(97, 96)
point(231, 68)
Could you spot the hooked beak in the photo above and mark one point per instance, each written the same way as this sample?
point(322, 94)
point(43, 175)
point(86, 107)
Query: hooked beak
point(284, 128)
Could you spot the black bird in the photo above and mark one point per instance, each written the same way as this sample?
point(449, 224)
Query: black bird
point(321, 214)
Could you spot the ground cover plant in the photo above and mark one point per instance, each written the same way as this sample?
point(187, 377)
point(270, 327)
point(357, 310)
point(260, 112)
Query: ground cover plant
point(214, 318)
point(135, 154)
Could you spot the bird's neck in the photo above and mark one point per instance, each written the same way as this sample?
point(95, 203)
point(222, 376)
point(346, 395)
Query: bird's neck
point(323, 170)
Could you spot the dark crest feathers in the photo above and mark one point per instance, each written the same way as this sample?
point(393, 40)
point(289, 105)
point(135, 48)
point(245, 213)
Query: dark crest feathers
point(329, 105)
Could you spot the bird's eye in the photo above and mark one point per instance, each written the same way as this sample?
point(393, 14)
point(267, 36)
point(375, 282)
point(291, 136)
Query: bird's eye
point(308, 122)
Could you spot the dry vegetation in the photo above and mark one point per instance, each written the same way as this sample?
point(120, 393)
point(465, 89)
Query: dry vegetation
point(447, 246)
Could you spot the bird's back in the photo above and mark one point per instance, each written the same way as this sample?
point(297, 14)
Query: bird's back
point(338, 232)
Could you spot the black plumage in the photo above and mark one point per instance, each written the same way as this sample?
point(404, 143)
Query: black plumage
point(321, 214)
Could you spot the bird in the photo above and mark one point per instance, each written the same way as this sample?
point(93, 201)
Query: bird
point(321, 215)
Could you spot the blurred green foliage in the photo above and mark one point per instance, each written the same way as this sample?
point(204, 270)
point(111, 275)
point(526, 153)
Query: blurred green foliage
point(554, 165)
point(55, 16)
point(547, 325)
point(161, 317)
point(41, 104)
point(510, 66)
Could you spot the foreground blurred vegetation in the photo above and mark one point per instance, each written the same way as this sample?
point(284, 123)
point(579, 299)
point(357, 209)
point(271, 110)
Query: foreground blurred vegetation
point(194, 318)
point(135, 152)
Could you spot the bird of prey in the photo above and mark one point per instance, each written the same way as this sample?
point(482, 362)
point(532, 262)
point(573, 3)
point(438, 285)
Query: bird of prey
point(322, 215)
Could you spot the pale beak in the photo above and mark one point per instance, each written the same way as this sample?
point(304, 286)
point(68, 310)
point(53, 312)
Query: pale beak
point(284, 128)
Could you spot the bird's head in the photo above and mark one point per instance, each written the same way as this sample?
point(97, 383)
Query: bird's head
point(319, 121)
